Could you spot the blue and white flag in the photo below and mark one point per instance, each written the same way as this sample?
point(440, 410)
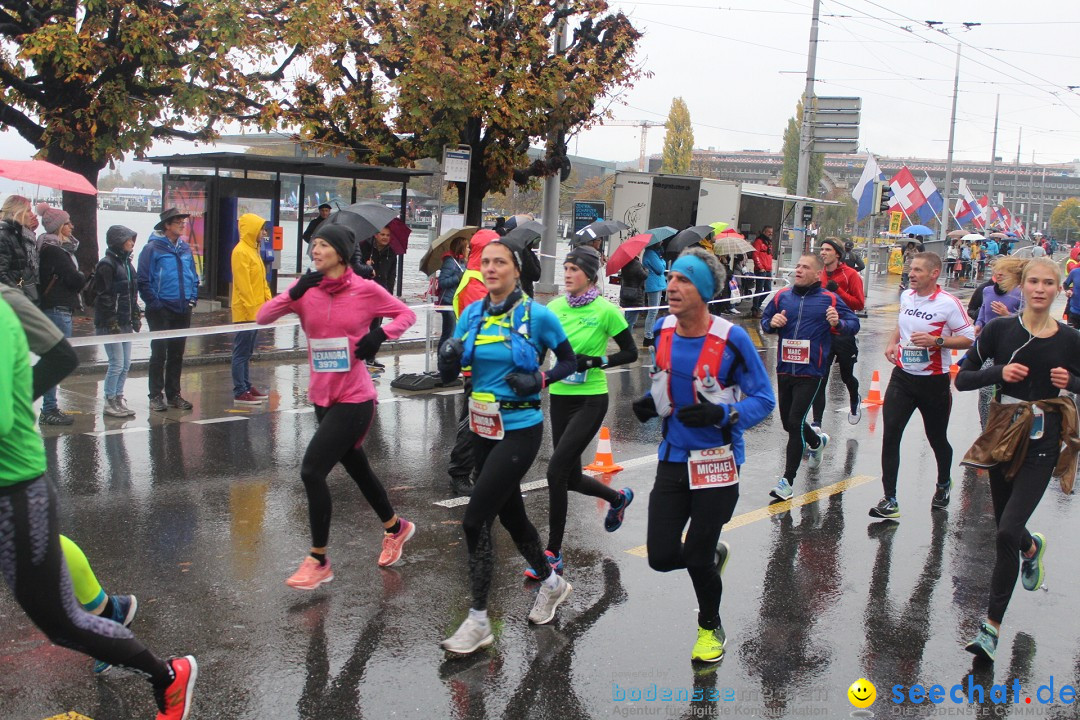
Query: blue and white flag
point(863, 193)
point(935, 203)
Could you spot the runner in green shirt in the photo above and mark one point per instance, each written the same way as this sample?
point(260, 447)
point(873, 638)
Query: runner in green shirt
point(579, 403)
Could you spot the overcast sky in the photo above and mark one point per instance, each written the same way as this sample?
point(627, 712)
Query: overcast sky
point(740, 65)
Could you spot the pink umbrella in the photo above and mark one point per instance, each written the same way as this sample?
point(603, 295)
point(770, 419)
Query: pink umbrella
point(628, 250)
point(44, 173)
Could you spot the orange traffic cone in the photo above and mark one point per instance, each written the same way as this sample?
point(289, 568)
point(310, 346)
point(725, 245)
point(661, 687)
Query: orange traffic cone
point(955, 367)
point(604, 462)
point(874, 396)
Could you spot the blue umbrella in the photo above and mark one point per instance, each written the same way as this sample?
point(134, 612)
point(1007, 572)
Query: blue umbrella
point(920, 230)
point(660, 234)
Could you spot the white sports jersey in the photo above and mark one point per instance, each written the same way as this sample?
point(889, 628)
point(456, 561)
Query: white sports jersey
point(939, 314)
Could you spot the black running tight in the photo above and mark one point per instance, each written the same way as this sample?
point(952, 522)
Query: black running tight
point(33, 567)
point(845, 352)
point(795, 396)
point(1014, 502)
point(931, 395)
point(341, 430)
point(575, 420)
point(671, 504)
point(501, 464)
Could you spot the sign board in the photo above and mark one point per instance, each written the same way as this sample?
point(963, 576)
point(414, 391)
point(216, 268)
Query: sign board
point(835, 132)
point(836, 146)
point(588, 211)
point(836, 118)
point(456, 165)
point(807, 213)
point(838, 103)
point(895, 218)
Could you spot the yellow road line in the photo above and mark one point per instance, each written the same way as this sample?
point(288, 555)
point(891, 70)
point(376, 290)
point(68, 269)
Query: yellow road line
point(776, 508)
point(755, 335)
point(69, 716)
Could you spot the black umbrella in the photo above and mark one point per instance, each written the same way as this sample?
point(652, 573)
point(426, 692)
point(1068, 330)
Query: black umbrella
point(526, 233)
point(365, 218)
point(686, 238)
point(597, 230)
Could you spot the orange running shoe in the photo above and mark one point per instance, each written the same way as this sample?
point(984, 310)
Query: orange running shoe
point(175, 703)
point(311, 574)
point(393, 544)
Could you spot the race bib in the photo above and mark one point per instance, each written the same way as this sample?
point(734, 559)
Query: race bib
point(795, 351)
point(576, 379)
point(485, 419)
point(330, 355)
point(914, 355)
point(713, 467)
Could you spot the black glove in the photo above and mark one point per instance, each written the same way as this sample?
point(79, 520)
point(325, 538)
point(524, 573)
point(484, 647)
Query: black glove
point(306, 282)
point(136, 322)
point(452, 350)
point(526, 383)
point(364, 270)
point(368, 346)
point(703, 414)
point(645, 408)
point(587, 362)
point(832, 286)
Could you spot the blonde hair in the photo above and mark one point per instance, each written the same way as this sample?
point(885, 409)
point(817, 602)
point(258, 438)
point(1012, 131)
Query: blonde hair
point(1043, 262)
point(15, 208)
point(1011, 269)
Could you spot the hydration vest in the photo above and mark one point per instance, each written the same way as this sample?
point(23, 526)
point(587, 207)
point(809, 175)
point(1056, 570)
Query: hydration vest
point(706, 380)
point(518, 320)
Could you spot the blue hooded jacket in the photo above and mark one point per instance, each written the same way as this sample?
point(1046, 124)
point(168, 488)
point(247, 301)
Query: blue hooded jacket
point(656, 281)
point(167, 277)
point(806, 321)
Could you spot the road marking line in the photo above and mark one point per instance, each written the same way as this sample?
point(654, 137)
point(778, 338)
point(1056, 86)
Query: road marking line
point(214, 421)
point(779, 507)
point(71, 715)
point(540, 484)
point(300, 410)
point(119, 431)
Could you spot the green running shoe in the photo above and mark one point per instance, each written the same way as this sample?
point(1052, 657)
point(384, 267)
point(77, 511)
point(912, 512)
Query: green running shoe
point(1031, 569)
point(709, 646)
point(985, 643)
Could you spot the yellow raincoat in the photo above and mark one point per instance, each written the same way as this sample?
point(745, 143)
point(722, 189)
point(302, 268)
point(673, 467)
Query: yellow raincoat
point(249, 287)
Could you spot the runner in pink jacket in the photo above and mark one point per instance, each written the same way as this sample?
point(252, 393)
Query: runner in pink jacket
point(336, 308)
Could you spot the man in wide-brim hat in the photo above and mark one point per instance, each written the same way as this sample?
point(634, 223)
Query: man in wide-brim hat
point(168, 217)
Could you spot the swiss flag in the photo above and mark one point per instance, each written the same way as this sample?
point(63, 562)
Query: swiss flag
point(907, 197)
point(980, 211)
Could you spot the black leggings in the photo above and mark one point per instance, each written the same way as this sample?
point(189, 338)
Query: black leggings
point(932, 397)
point(845, 353)
point(341, 430)
point(671, 504)
point(1014, 503)
point(462, 462)
point(796, 395)
point(575, 420)
point(502, 465)
point(33, 567)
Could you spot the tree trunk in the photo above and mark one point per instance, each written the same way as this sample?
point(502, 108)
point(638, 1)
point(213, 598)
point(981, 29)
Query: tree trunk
point(82, 208)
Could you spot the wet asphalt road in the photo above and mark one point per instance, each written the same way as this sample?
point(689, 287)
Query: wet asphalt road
point(205, 520)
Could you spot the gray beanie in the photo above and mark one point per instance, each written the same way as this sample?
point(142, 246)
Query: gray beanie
point(338, 237)
point(586, 258)
point(117, 235)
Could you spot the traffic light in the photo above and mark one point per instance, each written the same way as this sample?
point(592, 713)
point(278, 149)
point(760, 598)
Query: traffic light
point(882, 197)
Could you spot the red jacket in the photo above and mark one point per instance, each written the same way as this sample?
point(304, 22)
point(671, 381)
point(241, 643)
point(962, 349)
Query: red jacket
point(762, 255)
point(848, 285)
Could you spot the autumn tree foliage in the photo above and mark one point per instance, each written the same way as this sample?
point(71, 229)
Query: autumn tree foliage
point(86, 82)
point(679, 139)
point(393, 81)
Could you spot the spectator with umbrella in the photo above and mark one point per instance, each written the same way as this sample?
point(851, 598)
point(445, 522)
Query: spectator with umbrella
point(655, 282)
point(763, 267)
point(18, 249)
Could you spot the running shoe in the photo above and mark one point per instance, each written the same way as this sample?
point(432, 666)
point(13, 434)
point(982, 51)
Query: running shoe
point(157, 404)
point(179, 403)
point(174, 701)
point(985, 643)
point(709, 646)
point(247, 398)
point(1031, 569)
point(392, 545)
point(855, 411)
point(548, 600)
point(723, 554)
point(470, 637)
point(941, 496)
point(55, 417)
point(613, 519)
point(311, 574)
point(887, 508)
point(256, 392)
point(814, 460)
point(555, 561)
point(124, 608)
point(783, 490)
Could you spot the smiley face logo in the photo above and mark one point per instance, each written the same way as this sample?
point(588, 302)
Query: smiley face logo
point(862, 693)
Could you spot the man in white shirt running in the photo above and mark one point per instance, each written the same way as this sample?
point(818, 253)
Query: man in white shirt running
point(932, 323)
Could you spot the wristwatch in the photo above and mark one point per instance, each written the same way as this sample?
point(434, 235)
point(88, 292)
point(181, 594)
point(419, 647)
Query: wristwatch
point(732, 415)
point(939, 341)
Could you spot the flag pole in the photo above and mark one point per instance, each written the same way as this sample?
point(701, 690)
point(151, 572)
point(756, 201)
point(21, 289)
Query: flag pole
point(952, 137)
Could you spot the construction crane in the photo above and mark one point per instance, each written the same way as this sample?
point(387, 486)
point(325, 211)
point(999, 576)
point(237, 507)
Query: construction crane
point(644, 125)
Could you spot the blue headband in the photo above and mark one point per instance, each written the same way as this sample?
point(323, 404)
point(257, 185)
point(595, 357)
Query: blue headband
point(699, 273)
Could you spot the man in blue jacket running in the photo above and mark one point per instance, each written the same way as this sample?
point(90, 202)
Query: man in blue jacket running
point(803, 316)
point(169, 286)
